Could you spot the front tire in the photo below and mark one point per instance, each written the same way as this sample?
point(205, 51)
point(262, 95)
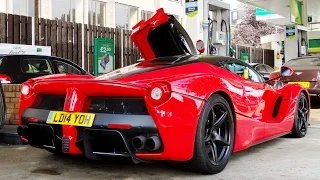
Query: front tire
point(215, 137)
point(301, 117)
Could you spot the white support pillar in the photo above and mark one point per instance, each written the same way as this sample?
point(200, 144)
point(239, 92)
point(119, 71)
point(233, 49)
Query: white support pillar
point(83, 31)
point(33, 31)
point(305, 13)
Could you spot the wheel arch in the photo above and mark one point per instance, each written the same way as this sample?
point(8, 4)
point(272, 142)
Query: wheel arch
point(305, 92)
point(229, 100)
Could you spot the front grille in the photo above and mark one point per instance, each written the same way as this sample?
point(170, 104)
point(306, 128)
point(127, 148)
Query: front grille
point(135, 106)
point(51, 102)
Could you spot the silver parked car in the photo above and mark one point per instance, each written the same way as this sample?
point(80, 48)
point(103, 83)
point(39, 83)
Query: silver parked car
point(263, 69)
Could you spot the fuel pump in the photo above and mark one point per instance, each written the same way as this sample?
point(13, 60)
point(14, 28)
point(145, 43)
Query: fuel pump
point(210, 24)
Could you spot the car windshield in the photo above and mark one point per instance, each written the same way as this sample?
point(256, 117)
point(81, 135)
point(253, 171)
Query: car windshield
point(312, 61)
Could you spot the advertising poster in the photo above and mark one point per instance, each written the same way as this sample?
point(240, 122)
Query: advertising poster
point(291, 32)
point(191, 8)
point(245, 57)
point(103, 55)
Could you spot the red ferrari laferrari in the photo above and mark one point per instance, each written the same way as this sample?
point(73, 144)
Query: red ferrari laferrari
point(173, 105)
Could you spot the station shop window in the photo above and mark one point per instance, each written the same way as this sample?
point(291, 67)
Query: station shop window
point(65, 10)
point(97, 13)
point(19, 7)
point(145, 15)
point(126, 16)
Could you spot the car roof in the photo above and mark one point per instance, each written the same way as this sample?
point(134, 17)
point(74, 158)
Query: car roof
point(9, 55)
point(305, 57)
point(253, 64)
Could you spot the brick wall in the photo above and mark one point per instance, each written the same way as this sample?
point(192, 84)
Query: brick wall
point(12, 95)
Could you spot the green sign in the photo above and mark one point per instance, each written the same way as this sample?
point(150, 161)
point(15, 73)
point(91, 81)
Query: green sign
point(309, 19)
point(314, 46)
point(244, 56)
point(296, 11)
point(103, 55)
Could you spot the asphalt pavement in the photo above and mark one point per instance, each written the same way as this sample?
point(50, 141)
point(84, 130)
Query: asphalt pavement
point(279, 159)
point(282, 158)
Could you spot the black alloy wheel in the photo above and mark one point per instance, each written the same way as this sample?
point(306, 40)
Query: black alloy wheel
point(301, 118)
point(215, 137)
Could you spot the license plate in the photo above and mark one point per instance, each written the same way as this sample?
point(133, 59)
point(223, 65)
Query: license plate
point(304, 84)
point(71, 118)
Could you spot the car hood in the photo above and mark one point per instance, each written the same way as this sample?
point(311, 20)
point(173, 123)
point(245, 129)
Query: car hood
point(161, 36)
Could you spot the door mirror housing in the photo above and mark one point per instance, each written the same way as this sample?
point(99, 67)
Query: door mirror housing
point(200, 46)
point(286, 71)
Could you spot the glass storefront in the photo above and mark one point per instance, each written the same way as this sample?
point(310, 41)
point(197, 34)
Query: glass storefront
point(97, 13)
point(126, 16)
point(19, 7)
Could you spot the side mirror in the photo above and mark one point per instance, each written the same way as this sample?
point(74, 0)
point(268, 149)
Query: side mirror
point(200, 46)
point(286, 71)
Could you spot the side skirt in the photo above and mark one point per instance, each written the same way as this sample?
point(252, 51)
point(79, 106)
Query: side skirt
point(271, 138)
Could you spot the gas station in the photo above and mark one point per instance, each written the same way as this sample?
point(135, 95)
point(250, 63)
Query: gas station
point(295, 17)
point(189, 113)
point(212, 25)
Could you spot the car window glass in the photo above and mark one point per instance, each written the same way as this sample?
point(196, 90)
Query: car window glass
point(235, 68)
point(261, 68)
point(66, 68)
point(239, 70)
point(254, 76)
point(36, 66)
point(268, 68)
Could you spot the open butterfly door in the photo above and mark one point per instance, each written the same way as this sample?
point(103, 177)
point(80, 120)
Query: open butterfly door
point(160, 36)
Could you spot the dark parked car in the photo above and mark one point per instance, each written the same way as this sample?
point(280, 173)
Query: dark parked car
point(264, 69)
point(306, 73)
point(17, 69)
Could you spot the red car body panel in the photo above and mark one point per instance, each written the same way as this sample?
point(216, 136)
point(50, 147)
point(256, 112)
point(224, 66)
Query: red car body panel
point(191, 84)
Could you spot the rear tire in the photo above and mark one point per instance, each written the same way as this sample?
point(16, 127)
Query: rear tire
point(3, 108)
point(301, 117)
point(215, 137)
